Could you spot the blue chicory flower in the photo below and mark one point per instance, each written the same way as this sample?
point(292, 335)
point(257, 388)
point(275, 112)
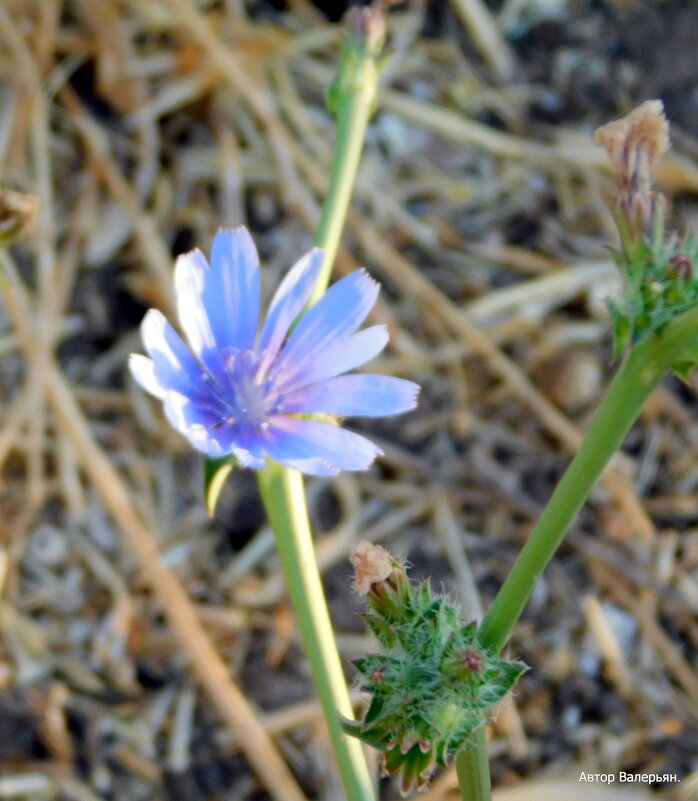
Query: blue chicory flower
point(233, 391)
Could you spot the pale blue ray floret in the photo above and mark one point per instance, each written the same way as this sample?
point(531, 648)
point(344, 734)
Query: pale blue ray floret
point(234, 391)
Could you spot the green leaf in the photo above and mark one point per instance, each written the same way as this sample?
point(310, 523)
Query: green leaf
point(687, 362)
point(683, 370)
point(382, 630)
point(416, 768)
point(498, 681)
point(355, 729)
point(622, 329)
point(424, 597)
point(216, 471)
point(375, 711)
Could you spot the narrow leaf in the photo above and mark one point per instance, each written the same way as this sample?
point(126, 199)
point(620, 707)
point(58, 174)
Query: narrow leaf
point(216, 471)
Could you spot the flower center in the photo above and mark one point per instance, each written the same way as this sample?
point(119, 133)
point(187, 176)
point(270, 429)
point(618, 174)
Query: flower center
point(249, 401)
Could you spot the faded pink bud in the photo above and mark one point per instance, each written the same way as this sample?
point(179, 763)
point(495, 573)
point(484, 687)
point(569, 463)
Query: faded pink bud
point(368, 25)
point(371, 563)
point(635, 144)
point(472, 660)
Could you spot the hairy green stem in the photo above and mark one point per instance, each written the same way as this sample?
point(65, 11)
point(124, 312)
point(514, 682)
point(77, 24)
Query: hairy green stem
point(641, 371)
point(282, 489)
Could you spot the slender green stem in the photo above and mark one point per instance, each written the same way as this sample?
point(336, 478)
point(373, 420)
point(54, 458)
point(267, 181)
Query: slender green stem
point(640, 373)
point(620, 408)
point(282, 489)
point(284, 499)
point(354, 113)
point(473, 769)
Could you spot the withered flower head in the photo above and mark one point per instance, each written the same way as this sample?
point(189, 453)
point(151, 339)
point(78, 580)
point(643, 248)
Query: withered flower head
point(371, 563)
point(635, 144)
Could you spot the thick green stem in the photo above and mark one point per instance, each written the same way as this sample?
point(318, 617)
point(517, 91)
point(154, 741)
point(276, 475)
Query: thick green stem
point(641, 371)
point(284, 499)
point(473, 769)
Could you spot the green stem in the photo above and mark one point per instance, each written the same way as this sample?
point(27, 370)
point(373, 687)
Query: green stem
point(620, 408)
point(473, 769)
point(356, 105)
point(639, 374)
point(284, 499)
point(282, 489)
point(641, 371)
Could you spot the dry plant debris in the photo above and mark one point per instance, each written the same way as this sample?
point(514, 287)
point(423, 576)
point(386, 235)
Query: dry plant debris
point(147, 652)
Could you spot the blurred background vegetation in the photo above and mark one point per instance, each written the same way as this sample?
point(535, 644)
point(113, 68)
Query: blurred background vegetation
point(482, 206)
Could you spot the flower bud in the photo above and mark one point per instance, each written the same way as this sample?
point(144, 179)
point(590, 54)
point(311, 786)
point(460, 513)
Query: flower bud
point(635, 144)
point(433, 684)
point(381, 579)
point(367, 28)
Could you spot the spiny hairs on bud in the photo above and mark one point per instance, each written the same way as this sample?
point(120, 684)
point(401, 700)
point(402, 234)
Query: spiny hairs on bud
point(433, 684)
point(635, 144)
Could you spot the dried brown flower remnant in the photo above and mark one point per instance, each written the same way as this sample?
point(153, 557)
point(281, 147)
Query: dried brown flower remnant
point(635, 144)
point(17, 216)
point(371, 563)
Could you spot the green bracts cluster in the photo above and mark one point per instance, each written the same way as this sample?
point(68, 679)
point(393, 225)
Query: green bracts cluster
point(433, 685)
point(660, 283)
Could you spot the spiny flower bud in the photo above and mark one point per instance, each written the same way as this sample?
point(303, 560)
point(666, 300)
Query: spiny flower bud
point(472, 661)
point(659, 280)
point(433, 685)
